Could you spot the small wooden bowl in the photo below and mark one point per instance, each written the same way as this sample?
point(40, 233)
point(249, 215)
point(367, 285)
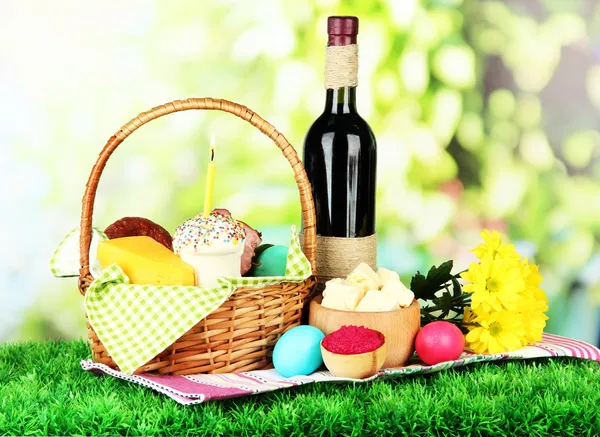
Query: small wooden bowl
point(355, 366)
point(400, 327)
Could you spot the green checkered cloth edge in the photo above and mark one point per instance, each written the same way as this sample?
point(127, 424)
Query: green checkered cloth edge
point(136, 322)
point(64, 262)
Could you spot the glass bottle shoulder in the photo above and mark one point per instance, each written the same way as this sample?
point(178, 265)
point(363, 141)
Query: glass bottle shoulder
point(341, 123)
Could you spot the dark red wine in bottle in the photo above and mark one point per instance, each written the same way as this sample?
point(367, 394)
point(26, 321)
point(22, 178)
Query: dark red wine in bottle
point(340, 157)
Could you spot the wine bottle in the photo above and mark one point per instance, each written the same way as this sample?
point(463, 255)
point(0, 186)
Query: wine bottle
point(340, 157)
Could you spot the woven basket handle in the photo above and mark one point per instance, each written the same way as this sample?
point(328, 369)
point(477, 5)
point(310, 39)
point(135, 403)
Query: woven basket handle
point(306, 199)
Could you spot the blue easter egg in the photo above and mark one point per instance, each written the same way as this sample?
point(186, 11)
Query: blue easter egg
point(298, 351)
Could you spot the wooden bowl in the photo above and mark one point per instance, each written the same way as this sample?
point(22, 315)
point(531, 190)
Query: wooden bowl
point(400, 327)
point(355, 366)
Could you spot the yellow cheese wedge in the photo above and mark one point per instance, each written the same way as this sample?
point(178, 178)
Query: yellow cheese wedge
point(145, 261)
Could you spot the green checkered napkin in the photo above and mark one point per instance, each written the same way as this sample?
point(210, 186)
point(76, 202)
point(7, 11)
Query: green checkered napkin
point(65, 259)
point(136, 322)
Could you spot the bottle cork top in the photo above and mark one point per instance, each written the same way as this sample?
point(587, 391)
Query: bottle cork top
point(342, 30)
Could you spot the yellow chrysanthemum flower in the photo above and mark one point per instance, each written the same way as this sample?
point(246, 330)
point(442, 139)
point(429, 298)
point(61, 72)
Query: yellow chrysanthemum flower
point(499, 331)
point(507, 303)
point(531, 274)
point(534, 323)
point(470, 318)
point(468, 315)
point(532, 305)
point(495, 284)
point(494, 247)
point(533, 279)
point(527, 302)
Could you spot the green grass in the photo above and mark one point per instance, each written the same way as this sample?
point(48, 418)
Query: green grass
point(43, 391)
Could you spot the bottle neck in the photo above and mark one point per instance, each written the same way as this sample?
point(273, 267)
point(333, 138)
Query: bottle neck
point(341, 100)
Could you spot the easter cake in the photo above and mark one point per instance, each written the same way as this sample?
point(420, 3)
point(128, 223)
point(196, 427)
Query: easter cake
point(212, 244)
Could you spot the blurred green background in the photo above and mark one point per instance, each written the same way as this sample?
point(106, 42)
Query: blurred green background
point(487, 114)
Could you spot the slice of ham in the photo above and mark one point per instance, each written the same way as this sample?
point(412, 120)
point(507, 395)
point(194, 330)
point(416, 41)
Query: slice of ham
point(253, 240)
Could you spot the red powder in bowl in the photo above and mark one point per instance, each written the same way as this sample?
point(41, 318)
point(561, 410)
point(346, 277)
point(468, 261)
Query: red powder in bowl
point(350, 340)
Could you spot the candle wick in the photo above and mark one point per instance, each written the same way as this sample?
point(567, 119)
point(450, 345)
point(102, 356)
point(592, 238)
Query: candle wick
point(212, 154)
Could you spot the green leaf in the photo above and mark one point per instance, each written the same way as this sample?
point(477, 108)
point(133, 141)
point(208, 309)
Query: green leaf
point(417, 284)
point(441, 273)
point(444, 303)
point(426, 287)
point(456, 288)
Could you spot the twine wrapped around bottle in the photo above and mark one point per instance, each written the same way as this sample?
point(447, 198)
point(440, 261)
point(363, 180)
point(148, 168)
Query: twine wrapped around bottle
point(341, 66)
point(337, 257)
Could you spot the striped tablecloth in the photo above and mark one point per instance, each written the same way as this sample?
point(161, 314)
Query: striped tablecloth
point(196, 389)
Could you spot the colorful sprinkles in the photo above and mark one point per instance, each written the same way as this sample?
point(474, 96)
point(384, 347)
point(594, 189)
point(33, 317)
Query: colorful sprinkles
point(200, 231)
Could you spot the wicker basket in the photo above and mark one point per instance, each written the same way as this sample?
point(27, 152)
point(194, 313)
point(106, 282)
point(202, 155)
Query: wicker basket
point(240, 335)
